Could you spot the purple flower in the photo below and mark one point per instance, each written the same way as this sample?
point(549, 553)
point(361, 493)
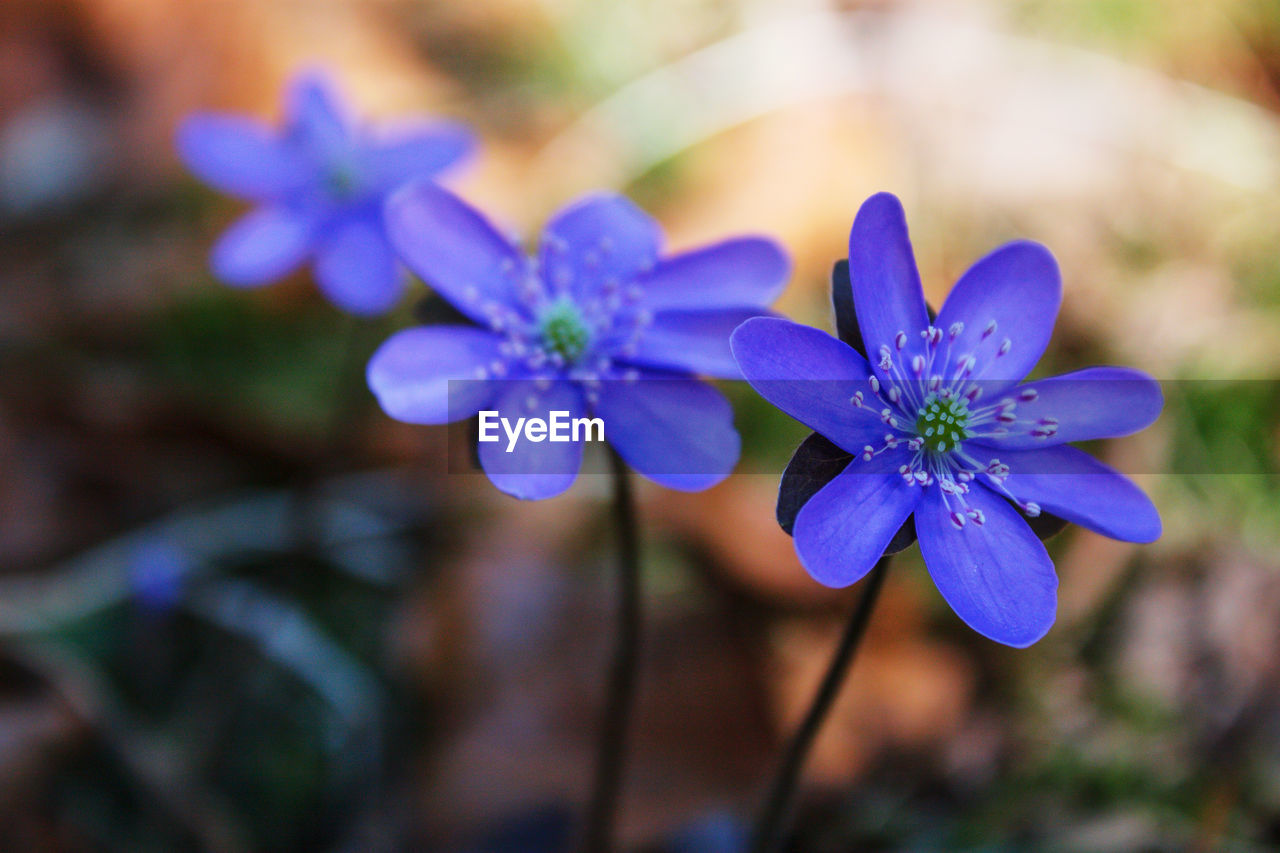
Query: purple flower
point(937, 425)
point(319, 183)
point(594, 324)
point(158, 574)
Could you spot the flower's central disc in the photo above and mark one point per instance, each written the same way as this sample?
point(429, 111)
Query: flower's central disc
point(563, 330)
point(941, 422)
point(342, 182)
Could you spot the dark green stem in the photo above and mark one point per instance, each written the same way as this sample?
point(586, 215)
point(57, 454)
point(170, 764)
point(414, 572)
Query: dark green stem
point(775, 816)
point(351, 395)
point(623, 670)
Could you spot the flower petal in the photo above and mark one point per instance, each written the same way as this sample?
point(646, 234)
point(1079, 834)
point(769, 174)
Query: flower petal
point(996, 576)
point(357, 269)
point(428, 375)
point(886, 283)
point(1073, 485)
point(843, 530)
point(815, 463)
point(262, 246)
point(454, 249)
point(602, 237)
point(533, 469)
point(743, 271)
point(1097, 402)
point(1013, 295)
point(316, 116)
point(417, 150)
point(677, 432)
point(694, 341)
point(240, 156)
point(810, 376)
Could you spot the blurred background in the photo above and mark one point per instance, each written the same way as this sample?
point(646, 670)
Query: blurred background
point(241, 609)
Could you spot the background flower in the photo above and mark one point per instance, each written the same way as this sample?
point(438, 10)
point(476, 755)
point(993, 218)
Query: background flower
point(319, 182)
point(595, 323)
point(939, 428)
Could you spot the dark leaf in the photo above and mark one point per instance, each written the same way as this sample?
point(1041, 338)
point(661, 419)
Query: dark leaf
point(842, 304)
point(816, 462)
point(433, 310)
point(1045, 525)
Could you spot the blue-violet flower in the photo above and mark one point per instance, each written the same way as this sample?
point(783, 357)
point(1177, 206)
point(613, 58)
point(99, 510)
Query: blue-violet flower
point(938, 426)
point(593, 324)
point(320, 182)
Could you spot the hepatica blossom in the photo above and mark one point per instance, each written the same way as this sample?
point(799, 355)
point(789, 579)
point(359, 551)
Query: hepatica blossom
point(594, 323)
point(935, 423)
point(319, 183)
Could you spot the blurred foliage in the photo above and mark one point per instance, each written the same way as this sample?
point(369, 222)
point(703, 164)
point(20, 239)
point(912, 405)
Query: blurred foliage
point(291, 369)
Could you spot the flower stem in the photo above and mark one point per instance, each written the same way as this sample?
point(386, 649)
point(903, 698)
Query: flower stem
point(623, 669)
point(771, 825)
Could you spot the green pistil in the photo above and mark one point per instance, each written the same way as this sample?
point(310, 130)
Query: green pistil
point(563, 330)
point(941, 423)
point(343, 181)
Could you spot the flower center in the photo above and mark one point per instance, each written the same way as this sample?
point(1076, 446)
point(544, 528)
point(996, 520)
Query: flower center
point(941, 422)
point(342, 181)
point(563, 330)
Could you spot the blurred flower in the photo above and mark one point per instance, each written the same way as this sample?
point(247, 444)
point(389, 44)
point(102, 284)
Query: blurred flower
point(320, 183)
point(52, 154)
point(594, 323)
point(157, 575)
point(937, 425)
point(718, 832)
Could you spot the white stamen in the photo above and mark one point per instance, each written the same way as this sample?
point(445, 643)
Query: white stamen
point(1045, 428)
